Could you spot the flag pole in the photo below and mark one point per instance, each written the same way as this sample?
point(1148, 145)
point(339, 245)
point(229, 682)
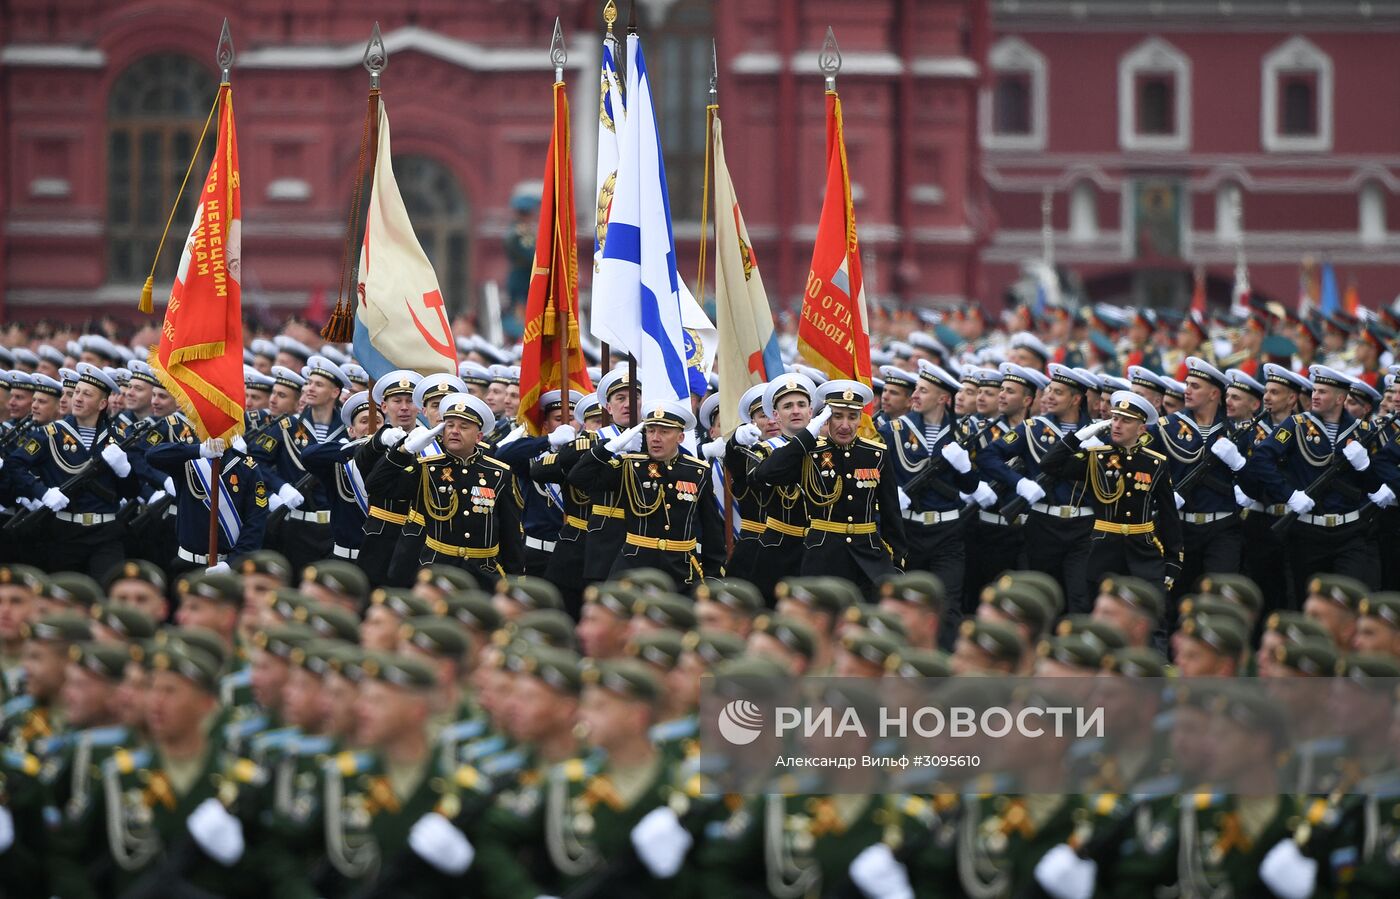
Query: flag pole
point(559, 55)
point(225, 57)
point(376, 60)
point(632, 360)
point(711, 111)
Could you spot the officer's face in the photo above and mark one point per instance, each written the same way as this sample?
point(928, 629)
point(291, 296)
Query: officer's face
point(88, 402)
point(163, 404)
point(258, 590)
point(269, 676)
point(139, 595)
point(44, 664)
point(360, 426)
point(131, 696)
point(793, 411)
point(552, 419)
point(1327, 400)
point(20, 402)
point(16, 607)
point(201, 611)
point(430, 411)
point(767, 427)
point(620, 407)
point(663, 442)
point(175, 706)
point(1374, 635)
point(284, 399)
point(460, 436)
point(609, 719)
point(601, 633)
point(842, 425)
point(301, 700)
point(1125, 431)
point(263, 364)
point(894, 400)
point(496, 396)
point(87, 698)
point(1340, 622)
point(399, 410)
point(1392, 399)
point(380, 630)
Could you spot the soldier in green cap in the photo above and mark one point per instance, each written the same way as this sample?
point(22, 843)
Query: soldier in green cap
point(785, 640)
point(863, 616)
point(434, 582)
point(917, 597)
point(1132, 605)
point(727, 604)
point(262, 573)
point(26, 863)
point(210, 601)
point(677, 725)
point(1209, 604)
point(647, 581)
point(442, 644)
point(546, 627)
point(1071, 656)
point(702, 650)
point(141, 585)
point(389, 608)
point(1020, 607)
point(336, 582)
point(603, 627)
point(1049, 588)
point(820, 604)
point(1334, 600)
point(1133, 751)
point(1238, 589)
point(116, 623)
point(38, 713)
point(1281, 628)
point(863, 653)
point(1378, 627)
point(661, 611)
point(1364, 694)
point(259, 735)
point(1209, 646)
point(19, 591)
point(1100, 633)
point(986, 647)
point(518, 594)
point(918, 663)
point(68, 591)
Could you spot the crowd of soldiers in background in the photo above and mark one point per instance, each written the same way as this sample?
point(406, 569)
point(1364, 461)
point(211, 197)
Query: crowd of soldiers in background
point(440, 656)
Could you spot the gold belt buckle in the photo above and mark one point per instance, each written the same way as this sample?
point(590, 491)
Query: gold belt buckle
point(1332, 521)
point(661, 545)
point(1125, 529)
point(86, 518)
point(1065, 511)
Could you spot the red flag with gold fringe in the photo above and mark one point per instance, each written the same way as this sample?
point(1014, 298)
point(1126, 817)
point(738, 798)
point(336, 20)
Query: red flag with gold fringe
point(200, 356)
point(548, 341)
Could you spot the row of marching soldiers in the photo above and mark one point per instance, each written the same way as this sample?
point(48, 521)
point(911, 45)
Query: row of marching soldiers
point(301, 734)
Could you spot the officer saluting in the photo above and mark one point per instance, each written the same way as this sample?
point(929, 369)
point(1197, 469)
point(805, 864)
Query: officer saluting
point(666, 497)
point(1136, 529)
point(85, 536)
point(467, 500)
point(848, 483)
point(385, 519)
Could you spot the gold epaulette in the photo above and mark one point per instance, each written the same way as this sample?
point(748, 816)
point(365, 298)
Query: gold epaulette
point(1152, 453)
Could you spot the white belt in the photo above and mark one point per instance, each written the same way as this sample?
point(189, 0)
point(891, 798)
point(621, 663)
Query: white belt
point(1330, 521)
point(321, 517)
point(1062, 511)
point(85, 518)
point(992, 518)
point(1204, 517)
point(931, 517)
point(341, 552)
point(196, 558)
point(537, 543)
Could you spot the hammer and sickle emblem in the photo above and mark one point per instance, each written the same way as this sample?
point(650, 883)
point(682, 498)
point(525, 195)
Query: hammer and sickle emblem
point(433, 300)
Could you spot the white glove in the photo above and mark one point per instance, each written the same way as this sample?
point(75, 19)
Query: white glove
point(217, 832)
point(513, 435)
point(274, 502)
point(814, 427)
point(213, 448)
point(54, 499)
point(390, 437)
point(1029, 490)
point(30, 504)
point(239, 445)
point(984, 495)
point(1384, 497)
point(747, 435)
point(957, 457)
point(1226, 451)
point(904, 500)
point(116, 460)
point(1289, 873)
point(168, 486)
point(221, 568)
point(714, 449)
point(562, 436)
point(1242, 499)
point(7, 829)
point(435, 840)
point(2, 464)
point(291, 497)
point(1090, 442)
point(880, 875)
point(156, 496)
point(629, 441)
point(1094, 430)
point(421, 437)
point(1180, 501)
point(1358, 457)
point(1300, 502)
point(661, 842)
point(1064, 875)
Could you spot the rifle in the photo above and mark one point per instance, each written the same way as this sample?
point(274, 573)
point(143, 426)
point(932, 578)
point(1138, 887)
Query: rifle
point(12, 436)
point(276, 516)
point(1017, 505)
point(937, 465)
point(1189, 484)
point(81, 480)
point(1335, 470)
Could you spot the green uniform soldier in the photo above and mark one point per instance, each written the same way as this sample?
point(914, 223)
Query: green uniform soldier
point(38, 715)
point(19, 591)
point(24, 866)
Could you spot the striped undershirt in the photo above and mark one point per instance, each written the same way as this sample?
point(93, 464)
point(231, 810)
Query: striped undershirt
point(87, 435)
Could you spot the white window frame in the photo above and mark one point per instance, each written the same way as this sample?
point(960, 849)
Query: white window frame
point(1370, 207)
point(1083, 211)
point(1229, 199)
point(1297, 54)
point(1012, 55)
point(1154, 56)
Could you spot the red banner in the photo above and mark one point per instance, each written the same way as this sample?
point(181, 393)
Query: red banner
point(553, 282)
point(200, 357)
point(834, 334)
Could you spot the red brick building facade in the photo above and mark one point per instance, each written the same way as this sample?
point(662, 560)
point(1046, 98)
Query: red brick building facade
point(101, 101)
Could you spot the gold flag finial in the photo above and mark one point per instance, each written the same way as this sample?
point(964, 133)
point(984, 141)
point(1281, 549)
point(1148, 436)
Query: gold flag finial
point(610, 14)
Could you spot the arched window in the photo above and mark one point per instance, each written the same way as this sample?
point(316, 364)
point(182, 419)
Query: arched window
point(1229, 212)
point(1154, 98)
point(1014, 107)
point(154, 116)
point(440, 216)
point(1083, 212)
point(1372, 212)
point(1297, 106)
